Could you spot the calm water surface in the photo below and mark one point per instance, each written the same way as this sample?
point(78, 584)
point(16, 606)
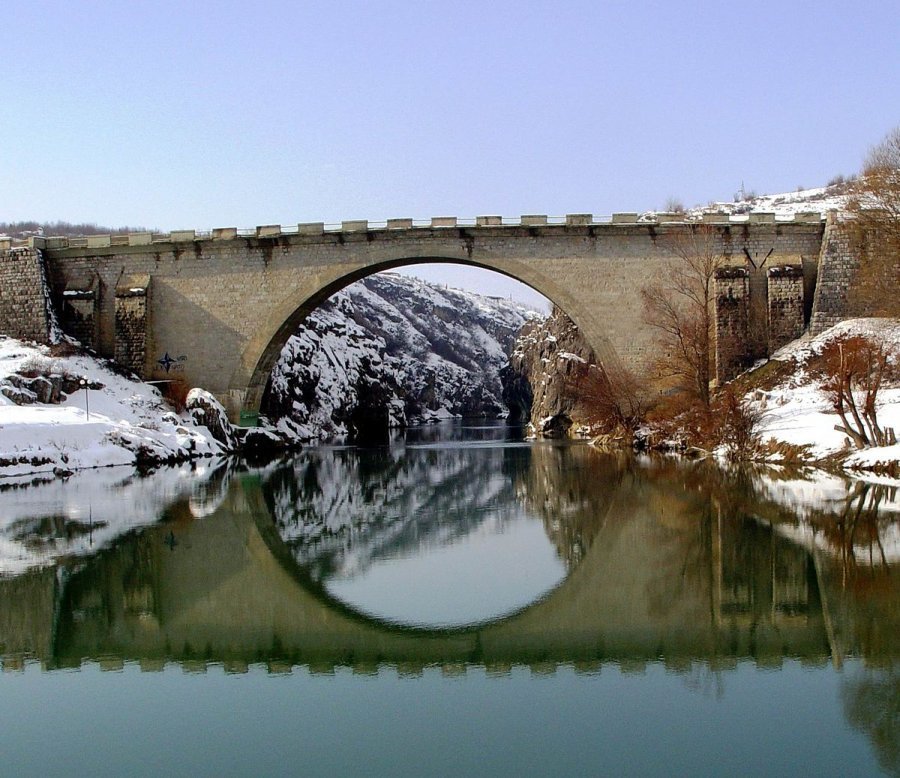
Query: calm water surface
point(458, 603)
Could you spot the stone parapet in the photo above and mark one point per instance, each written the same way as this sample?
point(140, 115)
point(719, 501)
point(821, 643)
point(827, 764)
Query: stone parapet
point(443, 221)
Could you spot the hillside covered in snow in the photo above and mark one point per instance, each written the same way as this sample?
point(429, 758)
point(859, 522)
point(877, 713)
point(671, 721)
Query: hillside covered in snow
point(389, 351)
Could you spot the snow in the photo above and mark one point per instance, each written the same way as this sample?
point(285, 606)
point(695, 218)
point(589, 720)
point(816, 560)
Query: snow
point(125, 417)
point(784, 205)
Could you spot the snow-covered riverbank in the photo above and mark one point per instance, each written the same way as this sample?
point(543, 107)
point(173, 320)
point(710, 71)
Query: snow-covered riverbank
point(117, 424)
point(797, 411)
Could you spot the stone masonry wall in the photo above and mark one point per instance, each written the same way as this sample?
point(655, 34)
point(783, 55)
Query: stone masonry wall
point(785, 305)
point(23, 303)
point(733, 348)
point(132, 326)
point(839, 267)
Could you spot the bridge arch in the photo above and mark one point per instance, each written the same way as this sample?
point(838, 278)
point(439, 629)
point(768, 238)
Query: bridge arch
point(263, 348)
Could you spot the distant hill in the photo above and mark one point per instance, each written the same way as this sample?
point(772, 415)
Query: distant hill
point(27, 229)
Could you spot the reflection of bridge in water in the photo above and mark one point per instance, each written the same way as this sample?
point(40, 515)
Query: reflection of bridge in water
point(659, 581)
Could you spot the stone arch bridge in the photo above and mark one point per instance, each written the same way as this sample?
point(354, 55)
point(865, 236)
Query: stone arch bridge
point(215, 308)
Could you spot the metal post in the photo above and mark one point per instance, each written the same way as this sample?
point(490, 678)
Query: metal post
point(87, 403)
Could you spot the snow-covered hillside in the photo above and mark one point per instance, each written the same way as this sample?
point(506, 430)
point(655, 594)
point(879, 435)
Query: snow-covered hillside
point(784, 205)
point(390, 351)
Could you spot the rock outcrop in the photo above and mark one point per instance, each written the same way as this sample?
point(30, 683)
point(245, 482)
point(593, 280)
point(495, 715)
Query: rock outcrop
point(537, 384)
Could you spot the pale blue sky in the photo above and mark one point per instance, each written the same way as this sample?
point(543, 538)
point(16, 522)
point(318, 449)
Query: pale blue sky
point(174, 115)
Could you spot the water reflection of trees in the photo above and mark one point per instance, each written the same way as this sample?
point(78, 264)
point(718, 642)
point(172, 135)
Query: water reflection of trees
point(856, 533)
point(872, 705)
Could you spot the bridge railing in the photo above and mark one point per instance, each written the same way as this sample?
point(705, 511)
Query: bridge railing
point(406, 224)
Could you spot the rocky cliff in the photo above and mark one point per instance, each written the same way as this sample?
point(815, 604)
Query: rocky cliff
point(537, 384)
point(389, 351)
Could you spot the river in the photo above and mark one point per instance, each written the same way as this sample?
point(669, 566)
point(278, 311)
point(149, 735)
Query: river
point(460, 602)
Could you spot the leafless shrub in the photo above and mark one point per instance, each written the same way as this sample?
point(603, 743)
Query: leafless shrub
point(738, 420)
point(854, 369)
point(612, 400)
point(674, 205)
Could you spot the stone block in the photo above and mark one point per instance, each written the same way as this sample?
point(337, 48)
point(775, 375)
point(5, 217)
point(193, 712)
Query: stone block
point(761, 218)
point(399, 224)
point(311, 228)
point(532, 220)
point(140, 238)
point(56, 242)
point(98, 241)
point(355, 225)
point(578, 219)
point(624, 218)
point(36, 242)
point(224, 233)
point(268, 230)
point(182, 236)
point(669, 216)
point(5, 244)
point(808, 217)
point(488, 221)
point(443, 221)
point(717, 217)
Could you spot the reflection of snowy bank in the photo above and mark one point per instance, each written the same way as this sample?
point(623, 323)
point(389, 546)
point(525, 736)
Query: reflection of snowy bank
point(817, 492)
point(883, 549)
point(126, 421)
point(80, 515)
point(858, 519)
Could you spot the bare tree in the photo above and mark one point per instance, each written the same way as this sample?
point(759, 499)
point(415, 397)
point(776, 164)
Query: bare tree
point(855, 369)
point(680, 308)
point(874, 204)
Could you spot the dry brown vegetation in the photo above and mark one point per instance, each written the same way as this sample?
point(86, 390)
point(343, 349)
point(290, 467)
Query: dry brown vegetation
point(175, 393)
